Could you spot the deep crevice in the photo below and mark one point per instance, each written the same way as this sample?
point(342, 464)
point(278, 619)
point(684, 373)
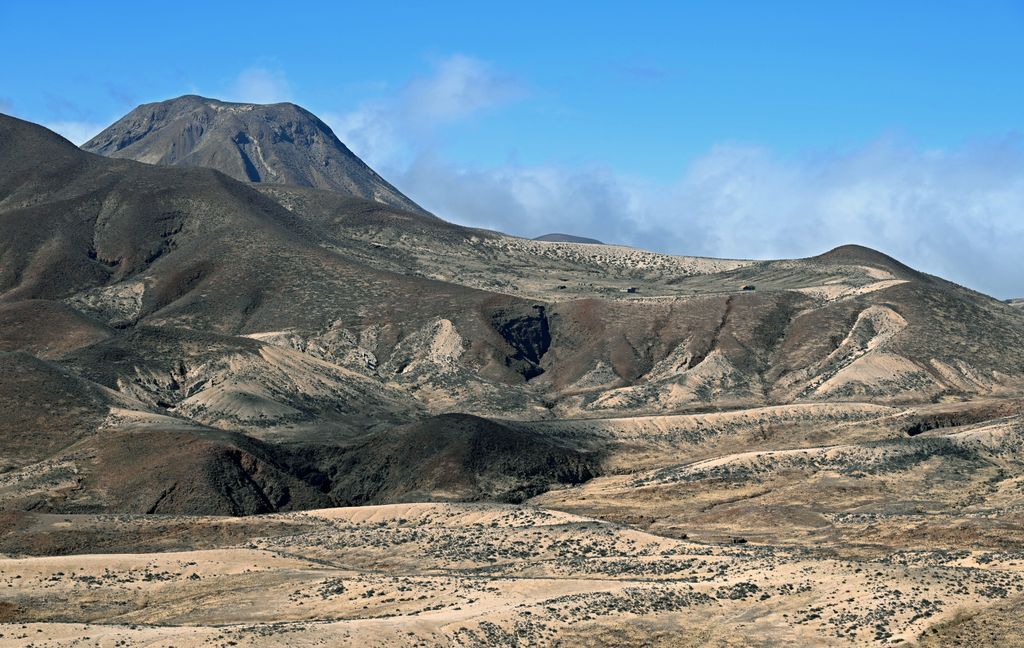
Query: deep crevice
point(528, 335)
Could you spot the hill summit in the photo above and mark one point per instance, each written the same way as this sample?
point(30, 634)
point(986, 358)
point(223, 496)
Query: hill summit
point(567, 238)
point(273, 143)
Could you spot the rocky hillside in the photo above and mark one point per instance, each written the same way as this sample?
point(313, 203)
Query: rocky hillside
point(265, 332)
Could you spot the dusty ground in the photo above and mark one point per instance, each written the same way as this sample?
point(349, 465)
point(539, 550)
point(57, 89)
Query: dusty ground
point(428, 574)
point(697, 538)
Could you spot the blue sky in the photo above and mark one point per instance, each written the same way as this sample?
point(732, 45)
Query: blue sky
point(728, 129)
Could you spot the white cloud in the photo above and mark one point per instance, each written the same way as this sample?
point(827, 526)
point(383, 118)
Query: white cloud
point(78, 132)
point(460, 86)
point(372, 133)
point(956, 213)
point(260, 85)
point(389, 132)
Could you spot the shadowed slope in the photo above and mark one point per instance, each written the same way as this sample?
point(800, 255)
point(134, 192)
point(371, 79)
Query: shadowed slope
point(457, 457)
point(70, 445)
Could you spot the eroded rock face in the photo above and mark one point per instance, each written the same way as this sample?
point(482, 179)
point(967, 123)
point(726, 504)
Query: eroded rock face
point(528, 335)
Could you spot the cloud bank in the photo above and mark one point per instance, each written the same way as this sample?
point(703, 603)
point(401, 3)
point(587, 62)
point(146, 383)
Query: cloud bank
point(957, 213)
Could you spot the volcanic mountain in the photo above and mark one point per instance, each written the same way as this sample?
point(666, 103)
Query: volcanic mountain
point(278, 143)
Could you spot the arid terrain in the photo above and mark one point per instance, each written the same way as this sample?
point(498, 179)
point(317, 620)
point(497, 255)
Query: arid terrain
point(250, 394)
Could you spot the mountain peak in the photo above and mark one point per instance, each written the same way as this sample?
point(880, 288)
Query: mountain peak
point(557, 237)
point(280, 143)
point(212, 102)
point(853, 254)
